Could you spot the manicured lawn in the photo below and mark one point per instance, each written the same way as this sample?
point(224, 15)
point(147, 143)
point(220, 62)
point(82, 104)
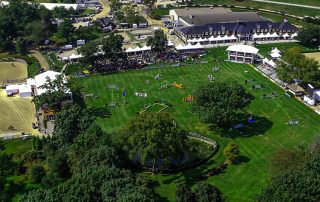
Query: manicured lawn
point(247, 3)
point(269, 133)
point(264, 49)
point(12, 71)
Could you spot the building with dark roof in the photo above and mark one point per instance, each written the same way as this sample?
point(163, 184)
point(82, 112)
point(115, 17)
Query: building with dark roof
point(243, 25)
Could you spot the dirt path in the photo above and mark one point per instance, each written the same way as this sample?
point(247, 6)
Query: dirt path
point(42, 60)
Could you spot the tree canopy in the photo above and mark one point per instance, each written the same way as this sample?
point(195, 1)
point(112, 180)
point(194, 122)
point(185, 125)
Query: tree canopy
point(204, 192)
point(231, 152)
point(310, 35)
point(158, 42)
point(23, 20)
point(54, 94)
point(295, 176)
point(298, 66)
point(219, 103)
point(153, 136)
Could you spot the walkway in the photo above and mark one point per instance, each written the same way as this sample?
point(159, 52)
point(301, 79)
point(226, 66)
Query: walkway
point(288, 4)
point(42, 60)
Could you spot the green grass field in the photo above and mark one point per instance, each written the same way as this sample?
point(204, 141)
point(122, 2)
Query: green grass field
point(269, 133)
point(247, 3)
point(264, 49)
point(12, 72)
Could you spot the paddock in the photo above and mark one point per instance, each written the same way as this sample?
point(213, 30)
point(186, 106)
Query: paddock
point(17, 112)
point(315, 56)
point(12, 71)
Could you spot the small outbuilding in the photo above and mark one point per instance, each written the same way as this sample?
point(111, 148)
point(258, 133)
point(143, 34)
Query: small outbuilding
point(12, 89)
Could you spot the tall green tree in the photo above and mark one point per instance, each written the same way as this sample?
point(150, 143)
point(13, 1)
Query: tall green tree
point(206, 192)
point(71, 122)
point(184, 193)
point(158, 42)
point(54, 94)
point(89, 52)
point(36, 173)
point(219, 103)
point(112, 47)
point(231, 152)
point(153, 136)
point(66, 30)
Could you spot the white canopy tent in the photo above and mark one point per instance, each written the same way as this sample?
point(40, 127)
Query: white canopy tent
point(170, 43)
point(243, 49)
point(294, 35)
point(286, 35)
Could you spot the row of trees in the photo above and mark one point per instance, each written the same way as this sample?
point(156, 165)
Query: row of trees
point(295, 65)
point(126, 14)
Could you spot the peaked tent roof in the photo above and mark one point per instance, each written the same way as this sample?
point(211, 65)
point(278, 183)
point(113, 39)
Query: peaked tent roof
point(243, 48)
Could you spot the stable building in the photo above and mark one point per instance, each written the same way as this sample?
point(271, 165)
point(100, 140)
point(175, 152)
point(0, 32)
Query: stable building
point(206, 23)
point(242, 53)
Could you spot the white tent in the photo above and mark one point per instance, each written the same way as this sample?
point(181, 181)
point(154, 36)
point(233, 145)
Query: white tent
point(145, 48)
point(170, 43)
point(275, 55)
point(129, 50)
point(42, 78)
point(202, 39)
point(180, 47)
point(233, 37)
point(269, 62)
point(267, 35)
point(75, 57)
point(198, 46)
point(225, 37)
point(243, 49)
point(25, 90)
point(275, 50)
point(218, 38)
point(294, 35)
point(286, 35)
point(211, 38)
point(274, 35)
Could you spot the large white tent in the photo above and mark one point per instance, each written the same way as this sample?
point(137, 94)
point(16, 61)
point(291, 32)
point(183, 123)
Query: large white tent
point(42, 79)
point(25, 90)
point(243, 49)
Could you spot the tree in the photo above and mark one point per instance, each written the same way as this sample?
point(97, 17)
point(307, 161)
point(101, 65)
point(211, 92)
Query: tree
point(38, 143)
point(231, 152)
point(295, 175)
point(7, 165)
point(184, 193)
point(89, 52)
point(298, 66)
point(293, 185)
point(219, 103)
point(2, 145)
point(38, 31)
point(205, 192)
point(37, 172)
point(53, 96)
point(153, 136)
point(66, 29)
point(310, 35)
point(112, 47)
point(158, 42)
point(71, 122)
point(21, 46)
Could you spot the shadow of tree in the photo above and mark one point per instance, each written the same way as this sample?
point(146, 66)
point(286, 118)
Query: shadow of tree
point(259, 127)
point(241, 160)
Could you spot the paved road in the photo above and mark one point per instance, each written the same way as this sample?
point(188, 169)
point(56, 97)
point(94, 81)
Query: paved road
point(288, 4)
